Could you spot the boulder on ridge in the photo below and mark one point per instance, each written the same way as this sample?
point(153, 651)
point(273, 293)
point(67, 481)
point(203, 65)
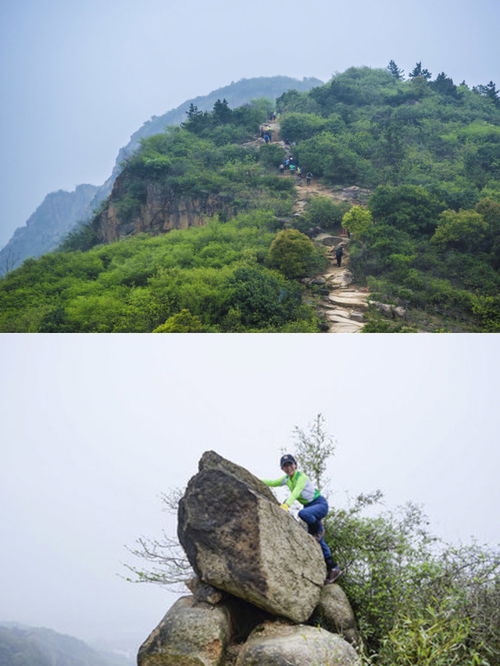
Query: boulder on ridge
point(278, 644)
point(238, 539)
point(335, 614)
point(192, 633)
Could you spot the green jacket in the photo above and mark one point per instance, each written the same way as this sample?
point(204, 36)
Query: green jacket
point(300, 486)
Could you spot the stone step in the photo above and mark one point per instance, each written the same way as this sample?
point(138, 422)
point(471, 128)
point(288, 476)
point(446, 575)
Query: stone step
point(353, 299)
point(346, 327)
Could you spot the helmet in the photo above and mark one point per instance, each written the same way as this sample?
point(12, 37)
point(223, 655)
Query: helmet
point(287, 458)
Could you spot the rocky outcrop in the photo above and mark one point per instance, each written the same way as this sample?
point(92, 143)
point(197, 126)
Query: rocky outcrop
point(389, 310)
point(277, 644)
point(335, 614)
point(192, 633)
point(163, 210)
point(256, 566)
point(239, 540)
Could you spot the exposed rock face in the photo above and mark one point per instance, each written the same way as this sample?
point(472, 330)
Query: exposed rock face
point(239, 540)
point(192, 633)
point(277, 644)
point(162, 211)
point(204, 592)
point(334, 613)
point(389, 310)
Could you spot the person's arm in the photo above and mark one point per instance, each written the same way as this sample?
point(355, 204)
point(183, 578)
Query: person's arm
point(276, 482)
point(299, 487)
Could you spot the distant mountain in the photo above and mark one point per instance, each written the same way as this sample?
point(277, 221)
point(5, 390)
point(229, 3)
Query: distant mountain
point(61, 212)
point(29, 646)
point(56, 216)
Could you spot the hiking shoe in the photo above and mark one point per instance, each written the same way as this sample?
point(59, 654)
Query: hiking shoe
point(332, 575)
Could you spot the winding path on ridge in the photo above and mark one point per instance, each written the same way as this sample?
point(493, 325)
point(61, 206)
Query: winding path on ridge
point(343, 303)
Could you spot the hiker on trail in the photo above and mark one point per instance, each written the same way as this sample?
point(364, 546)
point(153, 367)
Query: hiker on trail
point(339, 253)
point(282, 169)
point(315, 508)
point(308, 178)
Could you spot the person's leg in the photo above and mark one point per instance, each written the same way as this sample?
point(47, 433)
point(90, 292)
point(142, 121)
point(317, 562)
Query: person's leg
point(312, 514)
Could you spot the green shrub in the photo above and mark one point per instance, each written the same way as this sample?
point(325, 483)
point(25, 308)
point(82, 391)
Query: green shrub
point(295, 255)
point(181, 322)
point(325, 213)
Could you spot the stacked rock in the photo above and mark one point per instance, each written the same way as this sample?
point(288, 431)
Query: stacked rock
point(258, 597)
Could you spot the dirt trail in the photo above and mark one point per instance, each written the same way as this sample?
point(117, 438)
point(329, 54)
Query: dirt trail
point(343, 303)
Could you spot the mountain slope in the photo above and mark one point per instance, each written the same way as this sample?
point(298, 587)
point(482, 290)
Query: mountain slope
point(425, 240)
point(36, 646)
point(60, 212)
point(45, 229)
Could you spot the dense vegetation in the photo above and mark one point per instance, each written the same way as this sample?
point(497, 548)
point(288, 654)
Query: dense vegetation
point(428, 150)
point(417, 600)
point(217, 273)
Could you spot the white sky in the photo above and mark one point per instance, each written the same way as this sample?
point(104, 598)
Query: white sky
point(94, 428)
point(78, 78)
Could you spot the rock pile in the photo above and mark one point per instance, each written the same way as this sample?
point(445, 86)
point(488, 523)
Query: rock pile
point(258, 596)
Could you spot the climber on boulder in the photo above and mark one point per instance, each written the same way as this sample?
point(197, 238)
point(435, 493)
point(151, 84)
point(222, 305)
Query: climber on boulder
point(315, 508)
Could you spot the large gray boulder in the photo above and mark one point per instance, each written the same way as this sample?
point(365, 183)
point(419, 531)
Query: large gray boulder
point(238, 539)
point(277, 644)
point(192, 633)
point(335, 614)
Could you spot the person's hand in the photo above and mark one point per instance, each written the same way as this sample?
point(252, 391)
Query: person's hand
point(285, 507)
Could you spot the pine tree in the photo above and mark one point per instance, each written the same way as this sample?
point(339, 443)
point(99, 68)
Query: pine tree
point(444, 85)
point(420, 73)
point(489, 91)
point(396, 72)
point(222, 112)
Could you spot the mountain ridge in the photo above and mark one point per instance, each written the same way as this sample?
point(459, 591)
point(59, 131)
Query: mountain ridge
point(44, 230)
point(39, 646)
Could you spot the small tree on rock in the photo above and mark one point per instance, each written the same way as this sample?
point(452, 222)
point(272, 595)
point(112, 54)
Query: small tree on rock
point(313, 448)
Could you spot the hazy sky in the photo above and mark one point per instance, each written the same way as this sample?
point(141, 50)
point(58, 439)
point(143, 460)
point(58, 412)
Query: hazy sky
point(77, 78)
point(94, 428)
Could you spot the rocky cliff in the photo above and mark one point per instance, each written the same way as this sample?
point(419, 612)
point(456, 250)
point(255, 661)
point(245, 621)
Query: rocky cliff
point(258, 597)
point(162, 211)
point(61, 212)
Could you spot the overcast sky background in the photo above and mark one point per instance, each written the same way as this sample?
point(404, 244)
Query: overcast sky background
point(78, 78)
point(95, 428)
